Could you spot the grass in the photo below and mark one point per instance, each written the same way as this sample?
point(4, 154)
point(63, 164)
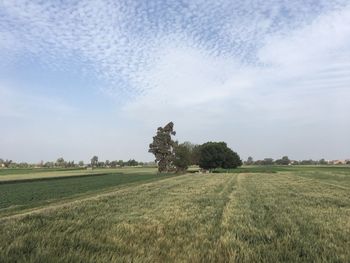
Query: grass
point(341, 169)
point(8, 171)
point(7, 175)
point(286, 216)
point(256, 169)
point(20, 195)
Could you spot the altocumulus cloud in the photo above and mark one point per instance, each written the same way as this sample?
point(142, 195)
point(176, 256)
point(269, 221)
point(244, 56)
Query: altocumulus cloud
point(252, 70)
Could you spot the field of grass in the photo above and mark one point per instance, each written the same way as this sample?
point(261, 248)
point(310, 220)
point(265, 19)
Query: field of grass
point(17, 171)
point(20, 195)
point(41, 173)
point(292, 215)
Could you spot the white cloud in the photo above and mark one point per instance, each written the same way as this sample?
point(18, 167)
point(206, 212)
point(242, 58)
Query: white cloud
point(304, 87)
point(219, 69)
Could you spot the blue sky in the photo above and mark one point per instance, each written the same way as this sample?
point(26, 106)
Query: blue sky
point(79, 78)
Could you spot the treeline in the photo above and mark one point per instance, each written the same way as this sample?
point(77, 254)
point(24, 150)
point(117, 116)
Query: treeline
point(286, 161)
point(94, 162)
point(61, 163)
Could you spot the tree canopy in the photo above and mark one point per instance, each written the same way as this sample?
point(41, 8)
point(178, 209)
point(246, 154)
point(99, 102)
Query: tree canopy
point(94, 161)
point(218, 155)
point(182, 157)
point(284, 161)
point(163, 147)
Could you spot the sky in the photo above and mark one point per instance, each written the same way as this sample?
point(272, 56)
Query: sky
point(84, 78)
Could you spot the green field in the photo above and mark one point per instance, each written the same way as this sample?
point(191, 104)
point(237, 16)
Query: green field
point(32, 174)
point(255, 214)
point(24, 194)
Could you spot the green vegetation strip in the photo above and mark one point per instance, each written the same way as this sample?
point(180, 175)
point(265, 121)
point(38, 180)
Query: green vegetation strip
point(47, 178)
point(8, 171)
point(21, 195)
point(31, 174)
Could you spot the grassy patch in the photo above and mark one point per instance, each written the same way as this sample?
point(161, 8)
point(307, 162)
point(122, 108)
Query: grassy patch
point(33, 174)
point(255, 169)
point(244, 217)
point(9, 171)
point(24, 194)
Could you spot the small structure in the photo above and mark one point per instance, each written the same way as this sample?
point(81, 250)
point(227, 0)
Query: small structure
point(339, 161)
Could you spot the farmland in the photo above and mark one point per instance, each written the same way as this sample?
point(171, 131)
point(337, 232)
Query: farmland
point(250, 214)
point(26, 193)
point(43, 173)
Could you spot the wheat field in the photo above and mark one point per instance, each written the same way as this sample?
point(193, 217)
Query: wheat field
point(287, 216)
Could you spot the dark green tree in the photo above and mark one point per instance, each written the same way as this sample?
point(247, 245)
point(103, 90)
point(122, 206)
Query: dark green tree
point(182, 158)
point(94, 161)
point(267, 161)
point(60, 162)
point(194, 152)
point(218, 155)
point(131, 162)
point(308, 162)
point(162, 147)
point(284, 161)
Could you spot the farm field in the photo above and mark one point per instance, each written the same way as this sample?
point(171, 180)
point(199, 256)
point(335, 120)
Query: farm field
point(24, 194)
point(41, 173)
point(265, 214)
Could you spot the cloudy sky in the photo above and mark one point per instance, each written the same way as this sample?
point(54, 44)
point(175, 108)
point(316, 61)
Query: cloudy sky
point(79, 78)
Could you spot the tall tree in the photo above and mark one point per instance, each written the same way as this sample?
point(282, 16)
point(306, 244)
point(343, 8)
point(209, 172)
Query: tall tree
point(60, 162)
point(163, 147)
point(284, 161)
point(194, 150)
point(94, 161)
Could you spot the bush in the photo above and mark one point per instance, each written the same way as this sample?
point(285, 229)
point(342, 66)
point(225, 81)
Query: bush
point(218, 155)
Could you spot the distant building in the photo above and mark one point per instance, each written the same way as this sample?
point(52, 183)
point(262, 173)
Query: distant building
point(339, 162)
